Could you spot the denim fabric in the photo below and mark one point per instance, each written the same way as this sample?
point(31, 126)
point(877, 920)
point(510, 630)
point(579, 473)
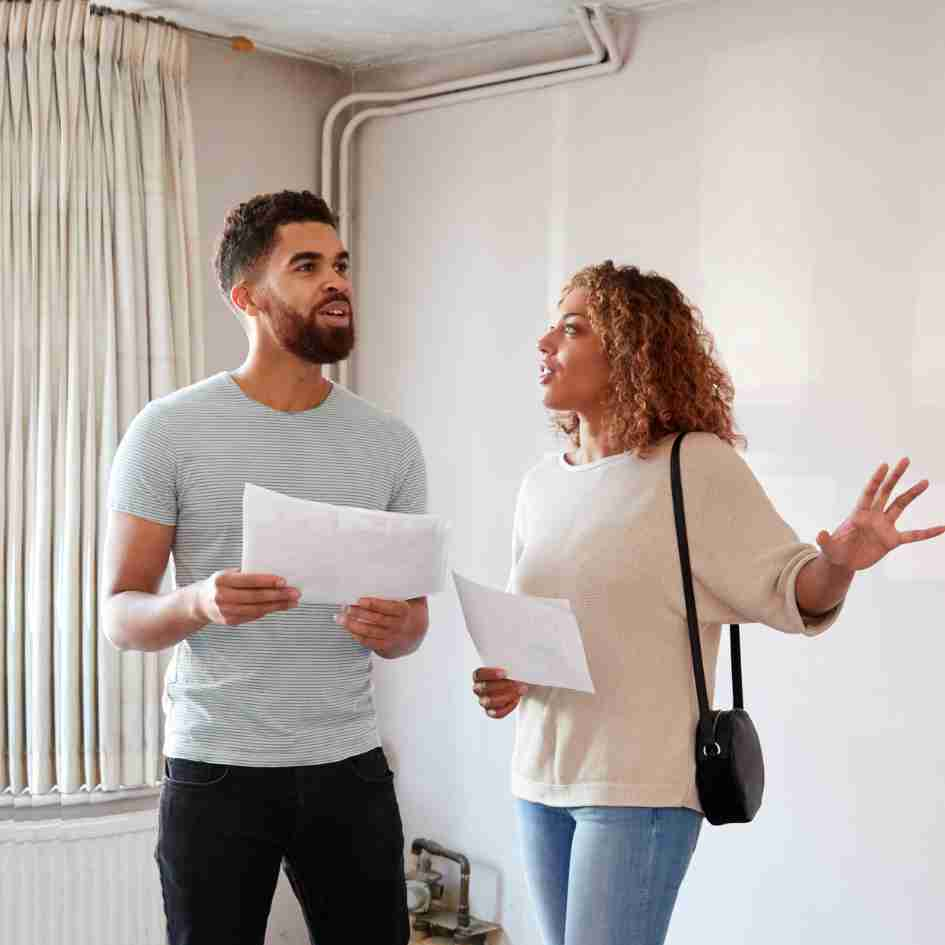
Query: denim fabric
point(225, 829)
point(605, 875)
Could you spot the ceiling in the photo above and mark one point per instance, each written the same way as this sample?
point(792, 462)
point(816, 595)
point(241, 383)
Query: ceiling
point(354, 34)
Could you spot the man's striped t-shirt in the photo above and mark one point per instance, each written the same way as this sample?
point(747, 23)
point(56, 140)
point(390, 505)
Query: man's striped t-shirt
point(292, 688)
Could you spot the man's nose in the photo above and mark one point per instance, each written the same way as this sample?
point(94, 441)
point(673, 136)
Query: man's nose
point(339, 283)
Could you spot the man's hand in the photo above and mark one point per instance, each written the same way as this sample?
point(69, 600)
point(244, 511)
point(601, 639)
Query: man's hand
point(230, 597)
point(390, 628)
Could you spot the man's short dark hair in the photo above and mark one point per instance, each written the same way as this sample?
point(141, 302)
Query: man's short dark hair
point(249, 231)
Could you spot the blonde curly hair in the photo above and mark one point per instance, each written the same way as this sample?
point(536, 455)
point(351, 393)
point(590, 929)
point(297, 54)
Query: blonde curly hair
point(664, 377)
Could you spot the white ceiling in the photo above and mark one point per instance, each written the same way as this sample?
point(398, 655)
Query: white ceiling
point(360, 33)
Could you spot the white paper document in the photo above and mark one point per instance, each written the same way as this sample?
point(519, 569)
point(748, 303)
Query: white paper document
point(535, 639)
point(335, 554)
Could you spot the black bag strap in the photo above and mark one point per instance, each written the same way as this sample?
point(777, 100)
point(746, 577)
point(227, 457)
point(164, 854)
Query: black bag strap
point(682, 540)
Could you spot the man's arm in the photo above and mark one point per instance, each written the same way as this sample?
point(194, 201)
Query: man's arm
point(136, 617)
point(391, 628)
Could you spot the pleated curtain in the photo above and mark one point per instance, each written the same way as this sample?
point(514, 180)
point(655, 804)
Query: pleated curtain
point(100, 311)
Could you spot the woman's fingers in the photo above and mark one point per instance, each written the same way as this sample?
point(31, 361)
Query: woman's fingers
point(501, 713)
point(499, 688)
point(490, 698)
point(902, 502)
point(921, 534)
point(487, 673)
point(890, 483)
point(872, 487)
point(496, 694)
point(499, 705)
point(499, 700)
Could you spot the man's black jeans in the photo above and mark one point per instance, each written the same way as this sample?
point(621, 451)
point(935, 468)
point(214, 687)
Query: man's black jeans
point(224, 831)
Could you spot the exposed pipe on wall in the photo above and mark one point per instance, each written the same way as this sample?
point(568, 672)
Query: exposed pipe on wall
point(603, 59)
point(507, 75)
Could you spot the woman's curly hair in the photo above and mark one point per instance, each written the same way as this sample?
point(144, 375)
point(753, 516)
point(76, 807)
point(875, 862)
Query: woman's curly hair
point(664, 377)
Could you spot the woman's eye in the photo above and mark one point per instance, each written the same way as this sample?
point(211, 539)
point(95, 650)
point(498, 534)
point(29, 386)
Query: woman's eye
point(570, 330)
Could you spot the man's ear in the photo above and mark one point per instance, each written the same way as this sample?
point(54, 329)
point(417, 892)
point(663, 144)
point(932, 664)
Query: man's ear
point(241, 297)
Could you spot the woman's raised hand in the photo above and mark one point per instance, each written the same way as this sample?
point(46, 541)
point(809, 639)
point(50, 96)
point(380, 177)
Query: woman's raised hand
point(497, 694)
point(870, 532)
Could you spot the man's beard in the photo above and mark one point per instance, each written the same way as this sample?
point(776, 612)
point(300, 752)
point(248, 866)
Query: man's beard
point(305, 338)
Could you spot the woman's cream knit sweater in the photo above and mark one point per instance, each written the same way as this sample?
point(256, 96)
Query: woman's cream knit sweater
point(602, 536)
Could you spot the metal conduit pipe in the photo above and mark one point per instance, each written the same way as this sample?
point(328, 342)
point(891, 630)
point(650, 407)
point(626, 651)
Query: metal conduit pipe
point(609, 65)
point(462, 912)
point(486, 86)
point(356, 98)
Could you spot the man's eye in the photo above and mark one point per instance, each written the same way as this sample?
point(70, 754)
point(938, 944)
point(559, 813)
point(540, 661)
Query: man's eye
point(342, 267)
point(305, 267)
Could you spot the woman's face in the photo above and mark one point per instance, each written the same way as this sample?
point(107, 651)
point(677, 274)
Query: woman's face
point(573, 370)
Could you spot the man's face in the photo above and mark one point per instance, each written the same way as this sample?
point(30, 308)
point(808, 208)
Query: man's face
point(304, 294)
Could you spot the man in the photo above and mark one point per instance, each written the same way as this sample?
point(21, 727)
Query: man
point(271, 741)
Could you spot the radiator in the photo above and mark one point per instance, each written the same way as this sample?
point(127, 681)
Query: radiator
point(93, 881)
point(90, 881)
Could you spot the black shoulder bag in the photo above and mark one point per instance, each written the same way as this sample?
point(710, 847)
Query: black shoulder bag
point(730, 771)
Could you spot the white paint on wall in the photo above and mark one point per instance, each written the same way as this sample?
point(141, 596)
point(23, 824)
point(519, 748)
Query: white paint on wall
point(782, 165)
point(562, 119)
point(928, 365)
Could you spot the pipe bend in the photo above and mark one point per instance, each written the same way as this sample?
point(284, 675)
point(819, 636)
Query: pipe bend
point(598, 54)
point(603, 60)
point(436, 849)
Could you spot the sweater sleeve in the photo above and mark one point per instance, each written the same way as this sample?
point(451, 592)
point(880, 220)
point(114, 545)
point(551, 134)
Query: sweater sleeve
point(745, 557)
point(518, 539)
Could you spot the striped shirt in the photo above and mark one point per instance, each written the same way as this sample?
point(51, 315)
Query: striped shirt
point(292, 688)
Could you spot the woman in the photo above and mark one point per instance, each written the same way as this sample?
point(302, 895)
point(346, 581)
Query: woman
point(608, 809)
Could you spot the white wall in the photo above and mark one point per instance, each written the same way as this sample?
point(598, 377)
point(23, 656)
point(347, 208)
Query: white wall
point(782, 163)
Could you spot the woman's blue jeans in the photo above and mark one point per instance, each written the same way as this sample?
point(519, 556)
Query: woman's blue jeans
point(605, 875)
